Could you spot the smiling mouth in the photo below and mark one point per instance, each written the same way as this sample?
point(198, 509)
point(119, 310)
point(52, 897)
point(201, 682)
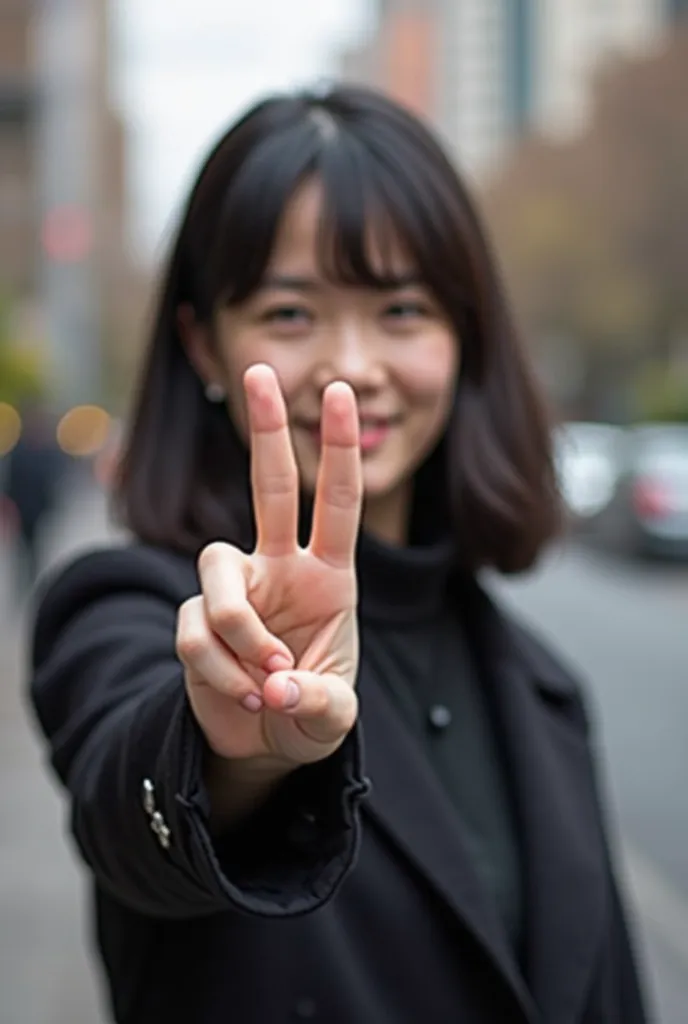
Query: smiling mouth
point(373, 431)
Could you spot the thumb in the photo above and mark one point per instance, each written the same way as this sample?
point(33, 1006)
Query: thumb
point(324, 705)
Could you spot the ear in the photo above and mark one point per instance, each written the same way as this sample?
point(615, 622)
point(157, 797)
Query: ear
point(197, 342)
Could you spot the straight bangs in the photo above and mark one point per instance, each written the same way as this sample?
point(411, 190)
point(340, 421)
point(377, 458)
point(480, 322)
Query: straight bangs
point(373, 211)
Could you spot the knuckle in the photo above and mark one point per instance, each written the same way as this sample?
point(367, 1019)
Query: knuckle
point(192, 637)
point(213, 554)
point(278, 481)
point(188, 613)
point(227, 618)
point(342, 495)
point(190, 646)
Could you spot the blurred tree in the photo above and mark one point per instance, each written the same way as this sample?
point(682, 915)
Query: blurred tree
point(21, 375)
point(594, 233)
point(636, 159)
point(662, 393)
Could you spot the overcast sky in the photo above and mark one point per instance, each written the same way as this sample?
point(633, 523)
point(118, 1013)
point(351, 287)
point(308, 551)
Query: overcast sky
point(186, 68)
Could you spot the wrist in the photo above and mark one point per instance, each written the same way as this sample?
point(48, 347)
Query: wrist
point(237, 787)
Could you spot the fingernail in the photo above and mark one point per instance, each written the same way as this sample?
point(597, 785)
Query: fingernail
point(291, 694)
point(277, 663)
point(252, 702)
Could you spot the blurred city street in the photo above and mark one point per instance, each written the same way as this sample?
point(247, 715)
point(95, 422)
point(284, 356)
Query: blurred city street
point(568, 122)
point(623, 625)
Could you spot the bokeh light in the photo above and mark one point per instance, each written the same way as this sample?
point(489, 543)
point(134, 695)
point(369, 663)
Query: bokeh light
point(83, 430)
point(10, 427)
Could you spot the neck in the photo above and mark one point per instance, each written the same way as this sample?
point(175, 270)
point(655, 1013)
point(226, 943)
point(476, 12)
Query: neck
point(387, 517)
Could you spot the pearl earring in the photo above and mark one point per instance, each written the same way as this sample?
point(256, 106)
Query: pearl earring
point(214, 392)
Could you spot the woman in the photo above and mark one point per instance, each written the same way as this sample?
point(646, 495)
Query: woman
point(279, 826)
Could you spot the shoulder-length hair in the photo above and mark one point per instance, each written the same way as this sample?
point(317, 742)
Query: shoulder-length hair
point(184, 473)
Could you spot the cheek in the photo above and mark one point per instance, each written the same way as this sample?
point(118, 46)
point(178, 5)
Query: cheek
point(245, 352)
point(427, 372)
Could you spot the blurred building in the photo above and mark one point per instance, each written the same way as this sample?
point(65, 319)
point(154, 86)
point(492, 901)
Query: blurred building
point(64, 265)
point(677, 8)
point(575, 38)
point(486, 76)
point(18, 213)
point(401, 54)
point(486, 72)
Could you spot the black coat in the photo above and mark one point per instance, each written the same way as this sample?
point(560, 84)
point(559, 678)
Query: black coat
point(350, 899)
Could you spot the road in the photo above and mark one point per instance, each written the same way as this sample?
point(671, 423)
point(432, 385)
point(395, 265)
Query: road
point(623, 626)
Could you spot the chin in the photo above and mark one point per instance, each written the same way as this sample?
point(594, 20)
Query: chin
point(379, 483)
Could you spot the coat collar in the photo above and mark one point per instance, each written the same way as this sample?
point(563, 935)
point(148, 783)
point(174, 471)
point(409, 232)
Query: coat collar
point(538, 715)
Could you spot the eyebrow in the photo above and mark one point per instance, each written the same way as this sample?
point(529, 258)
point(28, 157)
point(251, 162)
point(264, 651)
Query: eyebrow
point(285, 282)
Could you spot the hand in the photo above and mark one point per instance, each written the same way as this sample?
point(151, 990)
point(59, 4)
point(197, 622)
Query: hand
point(270, 646)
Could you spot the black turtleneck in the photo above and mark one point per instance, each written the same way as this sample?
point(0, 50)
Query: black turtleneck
point(413, 639)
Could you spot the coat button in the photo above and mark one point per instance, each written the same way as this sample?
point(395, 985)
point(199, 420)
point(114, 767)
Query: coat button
point(439, 717)
point(148, 797)
point(157, 822)
point(159, 827)
point(306, 1008)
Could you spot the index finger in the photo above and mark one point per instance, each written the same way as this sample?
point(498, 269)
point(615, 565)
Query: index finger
point(274, 476)
point(339, 490)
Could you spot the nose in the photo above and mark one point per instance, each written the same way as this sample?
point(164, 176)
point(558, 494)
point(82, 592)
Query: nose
point(350, 354)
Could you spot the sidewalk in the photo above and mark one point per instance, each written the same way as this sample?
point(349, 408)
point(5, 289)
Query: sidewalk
point(45, 975)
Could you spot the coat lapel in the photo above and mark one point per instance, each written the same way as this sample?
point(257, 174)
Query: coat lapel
point(407, 801)
point(563, 849)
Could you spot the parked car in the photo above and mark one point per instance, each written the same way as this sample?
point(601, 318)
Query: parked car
point(648, 512)
point(587, 461)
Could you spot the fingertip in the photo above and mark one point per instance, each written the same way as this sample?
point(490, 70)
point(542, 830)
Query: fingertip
point(340, 422)
point(253, 703)
point(279, 662)
point(338, 391)
point(265, 401)
point(281, 691)
point(258, 373)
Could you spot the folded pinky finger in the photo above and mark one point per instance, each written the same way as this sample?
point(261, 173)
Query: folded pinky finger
point(325, 705)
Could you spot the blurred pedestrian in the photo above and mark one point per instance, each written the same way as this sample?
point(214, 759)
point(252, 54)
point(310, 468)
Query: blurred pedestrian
point(262, 849)
point(34, 472)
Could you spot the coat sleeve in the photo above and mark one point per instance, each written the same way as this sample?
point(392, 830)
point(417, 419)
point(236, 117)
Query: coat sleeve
point(109, 695)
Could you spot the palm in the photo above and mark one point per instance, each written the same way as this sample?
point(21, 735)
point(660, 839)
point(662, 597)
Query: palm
point(306, 598)
point(311, 607)
point(302, 600)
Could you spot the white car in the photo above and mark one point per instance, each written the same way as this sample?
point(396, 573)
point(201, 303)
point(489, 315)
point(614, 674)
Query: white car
point(587, 463)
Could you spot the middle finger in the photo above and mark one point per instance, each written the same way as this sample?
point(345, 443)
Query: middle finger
point(339, 489)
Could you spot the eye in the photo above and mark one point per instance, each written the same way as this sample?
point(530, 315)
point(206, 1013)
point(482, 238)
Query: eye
point(286, 314)
point(405, 310)
point(287, 320)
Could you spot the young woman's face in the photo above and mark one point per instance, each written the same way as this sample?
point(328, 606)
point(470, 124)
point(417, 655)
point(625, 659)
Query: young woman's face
point(395, 348)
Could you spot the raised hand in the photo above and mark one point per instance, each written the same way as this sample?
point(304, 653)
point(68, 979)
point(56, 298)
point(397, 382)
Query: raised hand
point(270, 646)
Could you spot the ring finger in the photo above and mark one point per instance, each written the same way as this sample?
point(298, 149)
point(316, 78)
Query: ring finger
point(208, 661)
